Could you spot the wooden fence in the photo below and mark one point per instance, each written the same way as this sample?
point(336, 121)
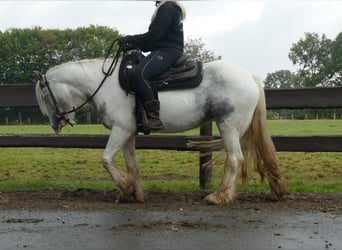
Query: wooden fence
point(23, 96)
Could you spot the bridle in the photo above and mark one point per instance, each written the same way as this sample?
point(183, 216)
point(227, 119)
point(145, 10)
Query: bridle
point(48, 97)
point(47, 91)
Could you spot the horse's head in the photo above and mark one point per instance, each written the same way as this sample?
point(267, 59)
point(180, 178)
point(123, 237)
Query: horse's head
point(52, 104)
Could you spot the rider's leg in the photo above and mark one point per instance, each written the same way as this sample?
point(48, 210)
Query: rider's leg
point(152, 65)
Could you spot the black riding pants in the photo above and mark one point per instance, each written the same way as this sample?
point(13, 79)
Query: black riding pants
point(152, 65)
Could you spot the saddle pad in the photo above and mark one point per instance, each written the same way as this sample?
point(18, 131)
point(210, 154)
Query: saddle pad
point(190, 78)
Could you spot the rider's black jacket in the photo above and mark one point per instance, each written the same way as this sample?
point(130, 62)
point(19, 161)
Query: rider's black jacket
point(165, 30)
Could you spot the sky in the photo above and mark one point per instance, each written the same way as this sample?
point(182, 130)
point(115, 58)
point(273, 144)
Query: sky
point(255, 34)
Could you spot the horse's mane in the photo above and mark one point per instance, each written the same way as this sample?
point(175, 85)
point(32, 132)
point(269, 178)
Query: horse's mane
point(80, 62)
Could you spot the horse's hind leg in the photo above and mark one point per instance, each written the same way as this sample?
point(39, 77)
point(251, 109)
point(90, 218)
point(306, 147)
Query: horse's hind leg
point(226, 192)
point(133, 168)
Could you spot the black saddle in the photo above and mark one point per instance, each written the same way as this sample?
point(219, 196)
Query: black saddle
point(184, 74)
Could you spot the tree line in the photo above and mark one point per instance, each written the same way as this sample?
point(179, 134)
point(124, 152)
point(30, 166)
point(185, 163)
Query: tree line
point(319, 60)
point(24, 50)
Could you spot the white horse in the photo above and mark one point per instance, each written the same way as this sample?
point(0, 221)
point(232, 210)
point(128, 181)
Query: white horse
point(229, 95)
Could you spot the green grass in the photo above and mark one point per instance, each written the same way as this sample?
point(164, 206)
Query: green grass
point(305, 127)
point(43, 168)
point(277, 127)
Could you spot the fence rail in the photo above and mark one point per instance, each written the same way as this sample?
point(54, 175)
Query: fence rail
point(167, 142)
point(14, 95)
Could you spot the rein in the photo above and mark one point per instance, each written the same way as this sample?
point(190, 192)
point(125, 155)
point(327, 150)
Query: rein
point(61, 115)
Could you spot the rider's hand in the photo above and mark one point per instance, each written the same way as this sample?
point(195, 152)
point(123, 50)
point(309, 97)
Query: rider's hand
point(125, 43)
point(125, 39)
point(128, 47)
point(122, 40)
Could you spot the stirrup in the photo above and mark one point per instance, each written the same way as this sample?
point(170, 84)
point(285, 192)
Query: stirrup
point(156, 127)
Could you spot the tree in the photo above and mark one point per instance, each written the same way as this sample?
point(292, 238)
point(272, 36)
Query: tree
point(196, 48)
point(24, 50)
point(317, 57)
point(282, 79)
point(336, 59)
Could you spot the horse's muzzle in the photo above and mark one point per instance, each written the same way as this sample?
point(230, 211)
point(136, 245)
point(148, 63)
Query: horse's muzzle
point(58, 123)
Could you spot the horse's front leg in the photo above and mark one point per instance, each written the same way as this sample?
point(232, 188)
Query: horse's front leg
point(133, 168)
point(117, 139)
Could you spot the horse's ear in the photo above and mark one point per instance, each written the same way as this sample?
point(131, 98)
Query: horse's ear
point(39, 76)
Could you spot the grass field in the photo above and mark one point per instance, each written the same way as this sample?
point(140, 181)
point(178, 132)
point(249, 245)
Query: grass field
point(43, 168)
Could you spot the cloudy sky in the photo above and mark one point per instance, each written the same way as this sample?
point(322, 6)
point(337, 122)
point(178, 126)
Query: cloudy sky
point(255, 34)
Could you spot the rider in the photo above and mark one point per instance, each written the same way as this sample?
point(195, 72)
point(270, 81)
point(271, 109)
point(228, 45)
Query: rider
point(165, 41)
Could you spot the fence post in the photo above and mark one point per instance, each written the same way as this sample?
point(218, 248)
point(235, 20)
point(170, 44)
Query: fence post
point(205, 167)
point(20, 117)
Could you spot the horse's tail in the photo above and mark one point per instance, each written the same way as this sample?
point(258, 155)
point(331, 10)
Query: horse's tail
point(258, 146)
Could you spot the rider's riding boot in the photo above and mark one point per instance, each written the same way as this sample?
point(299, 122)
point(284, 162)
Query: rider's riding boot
point(152, 111)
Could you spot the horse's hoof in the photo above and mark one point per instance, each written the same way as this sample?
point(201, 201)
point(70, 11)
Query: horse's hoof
point(213, 199)
point(129, 198)
point(124, 199)
point(219, 198)
point(139, 197)
point(272, 196)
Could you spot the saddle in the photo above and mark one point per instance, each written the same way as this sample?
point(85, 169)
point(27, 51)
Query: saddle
point(184, 74)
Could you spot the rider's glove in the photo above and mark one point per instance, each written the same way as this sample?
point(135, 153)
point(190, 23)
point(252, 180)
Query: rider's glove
point(126, 44)
point(128, 47)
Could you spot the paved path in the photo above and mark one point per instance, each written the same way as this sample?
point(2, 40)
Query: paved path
point(169, 230)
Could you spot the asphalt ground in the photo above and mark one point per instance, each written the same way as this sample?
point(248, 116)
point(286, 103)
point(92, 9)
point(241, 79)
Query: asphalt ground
point(176, 229)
